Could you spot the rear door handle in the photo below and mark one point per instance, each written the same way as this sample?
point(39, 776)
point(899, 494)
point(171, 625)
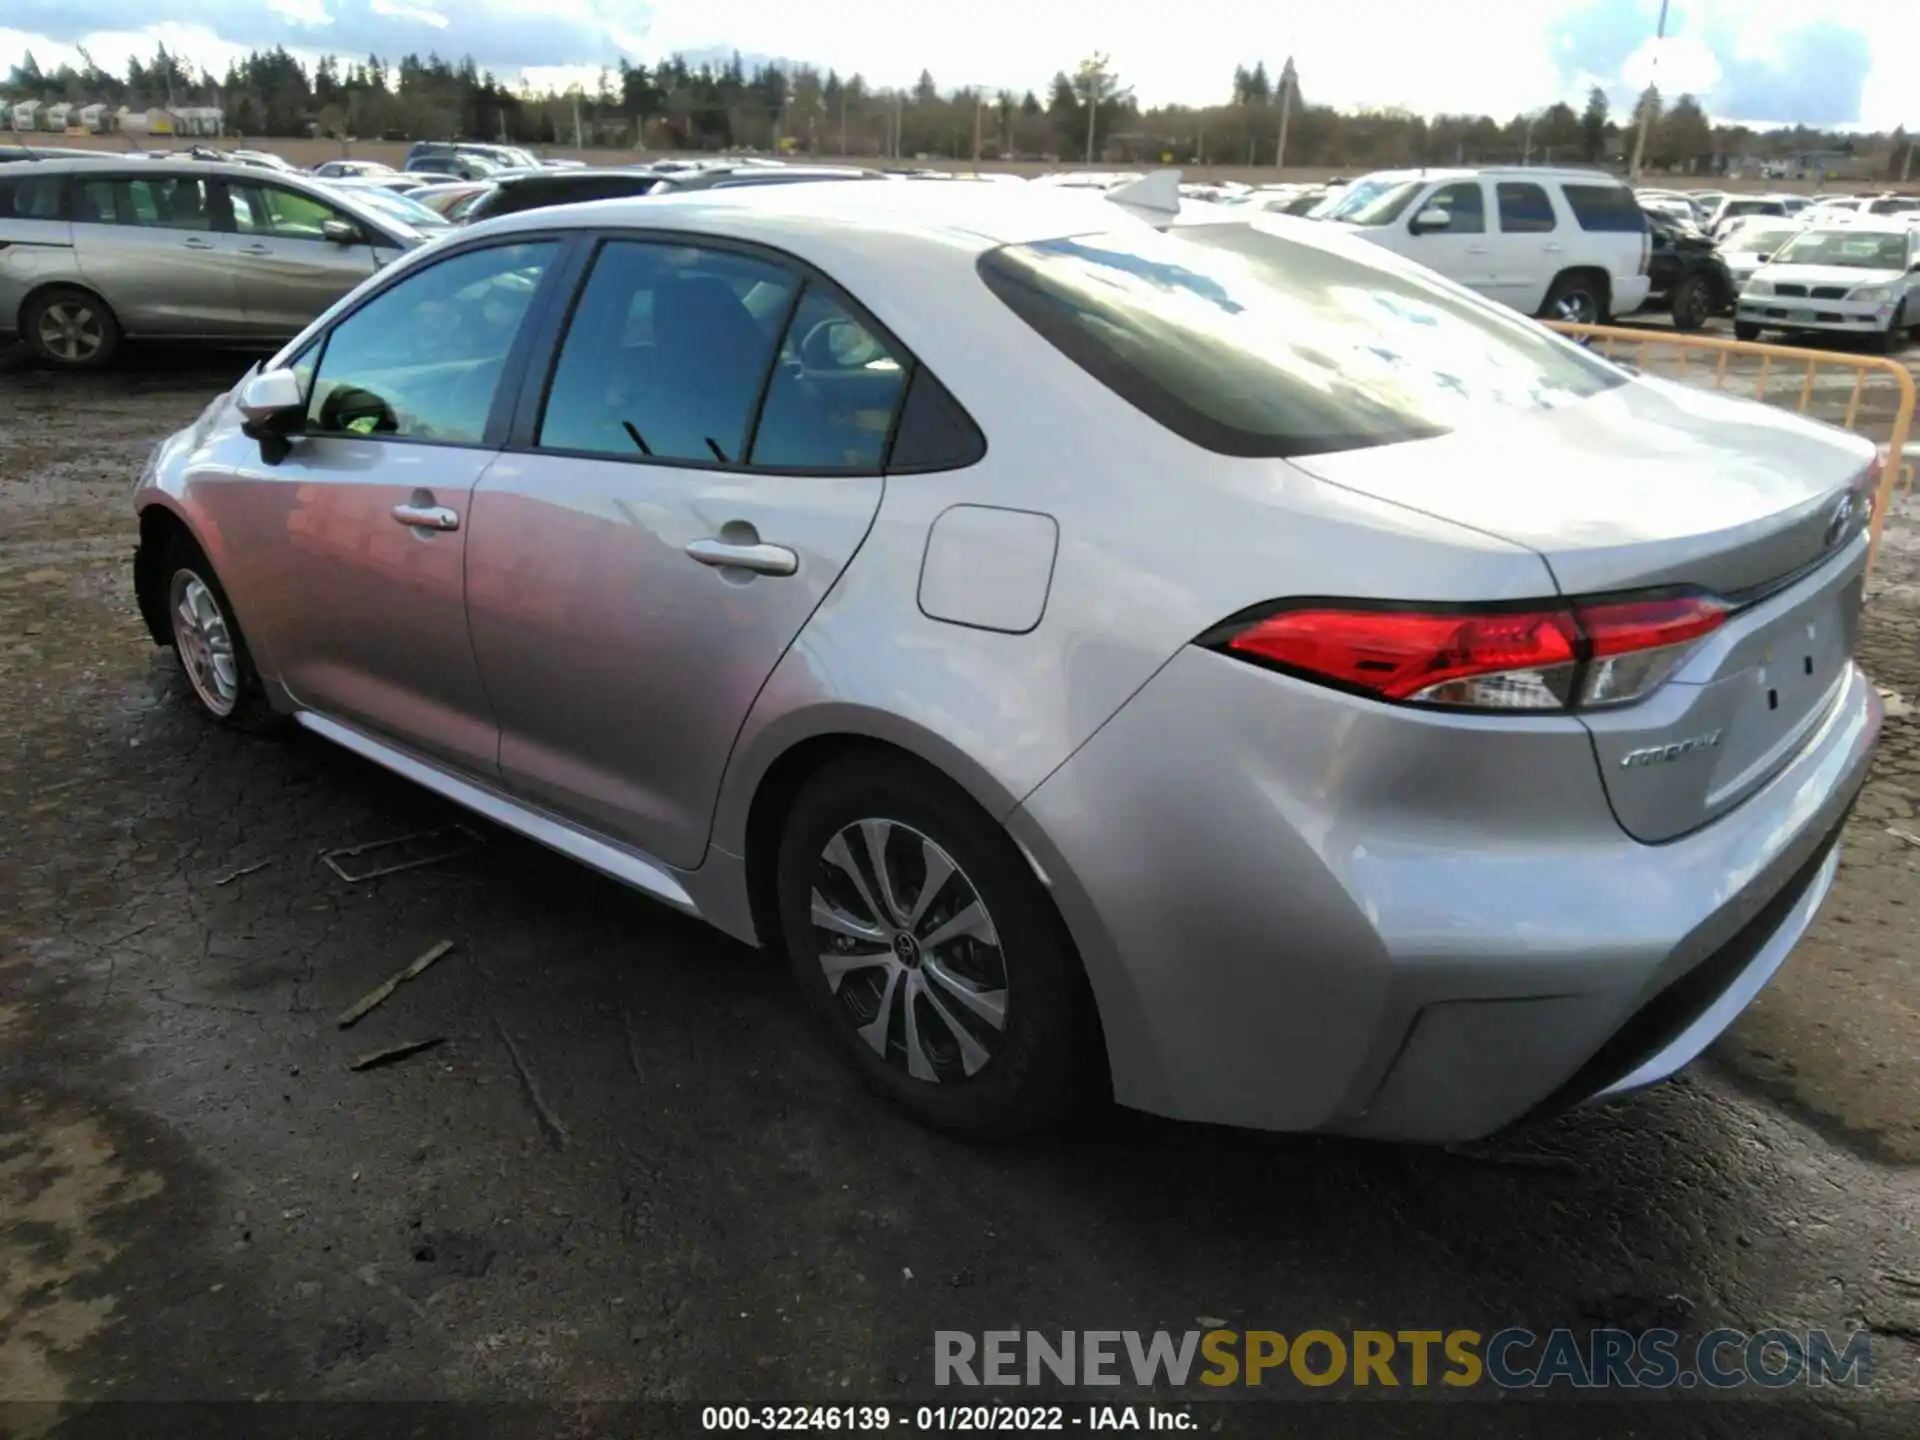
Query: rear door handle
point(1554, 248)
point(426, 517)
point(761, 559)
point(1476, 249)
point(194, 242)
point(256, 249)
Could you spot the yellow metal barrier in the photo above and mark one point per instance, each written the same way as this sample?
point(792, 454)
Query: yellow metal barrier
point(1776, 362)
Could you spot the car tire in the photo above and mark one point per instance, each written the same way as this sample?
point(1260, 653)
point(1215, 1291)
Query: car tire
point(70, 328)
point(208, 643)
point(1692, 303)
point(1744, 331)
point(919, 1024)
point(1578, 298)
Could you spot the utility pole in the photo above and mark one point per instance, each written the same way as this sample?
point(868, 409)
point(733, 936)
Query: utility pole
point(896, 124)
point(1646, 110)
point(1906, 166)
point(1288, 80)
point(979, 116)
point(843, 120)
point(1093, 109)
point(577, 144)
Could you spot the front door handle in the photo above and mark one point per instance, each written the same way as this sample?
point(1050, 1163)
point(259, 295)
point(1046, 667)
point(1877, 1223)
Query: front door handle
point(194, 242)
point(1476, 249)
point(1554, 248)
point(761, 559)
point(256, 249)
point(426, 517)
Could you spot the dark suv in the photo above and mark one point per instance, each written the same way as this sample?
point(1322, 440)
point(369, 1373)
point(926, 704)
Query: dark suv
point(1689, 277)
point(515, 193)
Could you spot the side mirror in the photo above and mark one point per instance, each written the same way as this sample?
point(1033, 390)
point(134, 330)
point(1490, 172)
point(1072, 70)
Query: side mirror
point(269, 395)
point(341, 232)
point(272, 405)
point(1432, 218)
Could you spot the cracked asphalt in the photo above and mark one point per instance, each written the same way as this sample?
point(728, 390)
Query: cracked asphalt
point(631, 1172)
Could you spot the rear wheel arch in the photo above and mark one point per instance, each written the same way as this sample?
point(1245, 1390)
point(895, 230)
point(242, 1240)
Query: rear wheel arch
point(779, 786)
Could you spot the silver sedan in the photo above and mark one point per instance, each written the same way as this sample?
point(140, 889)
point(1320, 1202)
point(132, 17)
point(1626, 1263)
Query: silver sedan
point(1233, 669)
point(94, 253)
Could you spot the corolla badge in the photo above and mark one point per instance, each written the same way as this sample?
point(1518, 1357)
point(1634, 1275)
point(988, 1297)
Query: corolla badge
point(1661, 754)
point(1839, 521)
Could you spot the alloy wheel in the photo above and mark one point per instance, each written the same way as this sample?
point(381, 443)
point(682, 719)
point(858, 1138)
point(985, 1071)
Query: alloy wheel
point(71, 331)
point(204, 642)
point(1576, 307)
point(909, 950)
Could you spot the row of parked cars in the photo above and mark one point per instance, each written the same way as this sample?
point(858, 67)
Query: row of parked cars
point(239, 246)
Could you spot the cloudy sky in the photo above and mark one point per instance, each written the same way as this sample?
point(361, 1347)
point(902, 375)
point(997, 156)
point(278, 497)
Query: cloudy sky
point(1754, 60)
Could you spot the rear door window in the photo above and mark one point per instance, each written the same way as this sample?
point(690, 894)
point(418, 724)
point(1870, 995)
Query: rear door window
point(666, 354)
point(1524, 208)
point(1605, 208)
point(831, 399)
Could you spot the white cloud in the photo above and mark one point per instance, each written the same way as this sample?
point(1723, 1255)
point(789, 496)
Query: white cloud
point(1496, 56)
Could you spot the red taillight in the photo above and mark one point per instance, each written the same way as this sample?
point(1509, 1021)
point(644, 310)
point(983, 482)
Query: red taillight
point(1548, 659)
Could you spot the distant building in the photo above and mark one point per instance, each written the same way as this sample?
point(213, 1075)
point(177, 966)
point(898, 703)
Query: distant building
point(54, 117)
point(96, 119)
point(25, 115)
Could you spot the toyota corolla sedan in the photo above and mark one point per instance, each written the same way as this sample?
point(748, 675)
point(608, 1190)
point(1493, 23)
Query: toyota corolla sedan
point(1232, 669)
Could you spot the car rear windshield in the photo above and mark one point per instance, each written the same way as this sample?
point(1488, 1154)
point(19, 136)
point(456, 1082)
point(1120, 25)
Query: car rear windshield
point(1248, 342)
point(1605, 207)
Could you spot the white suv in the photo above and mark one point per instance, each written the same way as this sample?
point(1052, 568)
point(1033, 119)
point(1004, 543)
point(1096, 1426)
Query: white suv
point(1561, 244)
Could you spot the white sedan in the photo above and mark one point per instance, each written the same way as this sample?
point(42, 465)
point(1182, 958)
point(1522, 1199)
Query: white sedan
point(1857, 279)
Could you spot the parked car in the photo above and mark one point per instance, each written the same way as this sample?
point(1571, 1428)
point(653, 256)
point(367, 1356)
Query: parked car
point(97, 252)
point(350, 169)
point(500, 157)
point(400, 206)
point(266, 159)
point(1735, 207)
point(1565, 244)
point(454, 164)
point(542, 188)
point(1749, 246)
point(1858, 279)
point(1883, 205)
point(726, 177)
point(1686, 275)
point(454, 200)
point(1422, 722)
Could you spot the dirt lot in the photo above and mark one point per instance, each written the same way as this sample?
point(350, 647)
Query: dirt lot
point(630, 1172)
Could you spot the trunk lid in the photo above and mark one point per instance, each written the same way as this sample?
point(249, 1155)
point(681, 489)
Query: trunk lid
point(1654, 485)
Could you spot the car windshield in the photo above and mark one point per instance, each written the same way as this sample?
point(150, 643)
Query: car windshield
point(1250, 342)
point(1374, 202)
point(1760, 239)
point(1852, 249)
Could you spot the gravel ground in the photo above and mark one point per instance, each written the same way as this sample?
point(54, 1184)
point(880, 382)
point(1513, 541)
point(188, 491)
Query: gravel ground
point(631, 1171)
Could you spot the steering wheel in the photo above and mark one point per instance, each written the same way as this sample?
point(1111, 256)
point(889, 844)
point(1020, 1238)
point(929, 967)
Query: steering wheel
point(818, 351)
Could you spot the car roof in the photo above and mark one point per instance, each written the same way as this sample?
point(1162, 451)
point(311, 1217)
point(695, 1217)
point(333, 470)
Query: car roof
point(907, 210)
point(596, 172)
point(1565, 173)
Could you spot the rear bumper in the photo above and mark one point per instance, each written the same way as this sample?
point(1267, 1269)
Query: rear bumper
point(1283, 931)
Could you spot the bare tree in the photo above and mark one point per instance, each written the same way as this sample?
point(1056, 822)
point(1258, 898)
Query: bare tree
point(1095, 84)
